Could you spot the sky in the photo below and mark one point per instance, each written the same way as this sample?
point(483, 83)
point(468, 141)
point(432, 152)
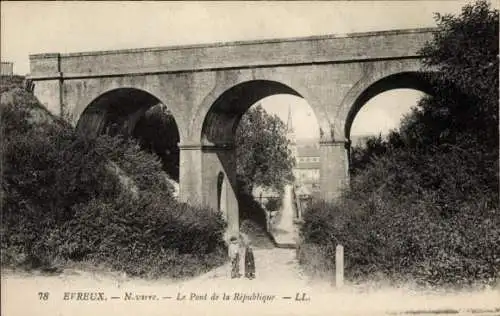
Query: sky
point(43, 27)
point(378, 116)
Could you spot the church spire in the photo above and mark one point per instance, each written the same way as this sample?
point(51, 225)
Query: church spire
point(290, 133)
point(289, 125)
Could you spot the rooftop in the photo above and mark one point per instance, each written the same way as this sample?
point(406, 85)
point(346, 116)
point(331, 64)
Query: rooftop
point(308, 150)
point(307, 165)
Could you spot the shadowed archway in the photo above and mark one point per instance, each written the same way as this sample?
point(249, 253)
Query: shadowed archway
point(132, 112)
point(115, 111)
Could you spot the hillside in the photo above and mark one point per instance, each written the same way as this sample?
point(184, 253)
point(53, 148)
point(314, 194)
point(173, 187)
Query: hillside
point(10, 82)
point(103, 201)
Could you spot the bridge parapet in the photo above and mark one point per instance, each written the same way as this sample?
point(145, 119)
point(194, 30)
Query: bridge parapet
point(48, 65)
point(247, 54)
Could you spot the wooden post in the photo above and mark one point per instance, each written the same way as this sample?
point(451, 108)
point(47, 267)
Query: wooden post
point(339, 266)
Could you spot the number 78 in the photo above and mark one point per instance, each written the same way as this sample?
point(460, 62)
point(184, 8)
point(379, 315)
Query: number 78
point(43, 296)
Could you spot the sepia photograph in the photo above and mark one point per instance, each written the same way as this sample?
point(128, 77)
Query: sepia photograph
point(249, 158)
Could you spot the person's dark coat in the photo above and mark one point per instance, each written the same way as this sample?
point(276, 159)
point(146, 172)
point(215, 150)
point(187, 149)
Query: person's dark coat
point(249, 263)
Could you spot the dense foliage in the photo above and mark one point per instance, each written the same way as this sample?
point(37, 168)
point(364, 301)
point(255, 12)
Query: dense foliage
point(100, 201)
point(262, 154)
point(423, 203)
point(11, 82)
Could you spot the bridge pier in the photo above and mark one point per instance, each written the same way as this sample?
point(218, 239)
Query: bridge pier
point(334, 172)
point(190, 174)
point(199, 170)
point(48, 85)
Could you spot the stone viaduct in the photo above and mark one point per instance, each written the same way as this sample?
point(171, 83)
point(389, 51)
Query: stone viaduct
point(209, 87)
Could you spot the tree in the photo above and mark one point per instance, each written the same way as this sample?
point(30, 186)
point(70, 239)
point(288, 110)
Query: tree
point(361, 156)
point(462, 59)
point(461, 119)
point(262, 153)
point(465, 53)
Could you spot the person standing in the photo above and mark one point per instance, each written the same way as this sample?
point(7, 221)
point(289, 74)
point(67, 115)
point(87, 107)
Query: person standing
point(249, 262)
point(234, 256)
point(243, 240)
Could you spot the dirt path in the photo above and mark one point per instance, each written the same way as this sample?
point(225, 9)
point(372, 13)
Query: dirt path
point(276, 265)
point(275, 291)
point(284, 230)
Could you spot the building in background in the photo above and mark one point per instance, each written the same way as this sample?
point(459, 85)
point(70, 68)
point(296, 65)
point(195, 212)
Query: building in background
point(307, 168)
point(7, 68)
point(360, 140)
point(307, 161)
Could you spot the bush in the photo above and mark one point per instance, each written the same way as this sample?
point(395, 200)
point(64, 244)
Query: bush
point(431, 235)
point(10, 82)
point(143, 168)
point(62, 202)
point(143, 237)
point(273, 204)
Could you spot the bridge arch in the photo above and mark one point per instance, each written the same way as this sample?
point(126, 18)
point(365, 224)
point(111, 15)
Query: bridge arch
point(220, 123)
point(362, 93)
point(217, 139)
point(120, 104)
point(82, 94)
point(130, 112)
